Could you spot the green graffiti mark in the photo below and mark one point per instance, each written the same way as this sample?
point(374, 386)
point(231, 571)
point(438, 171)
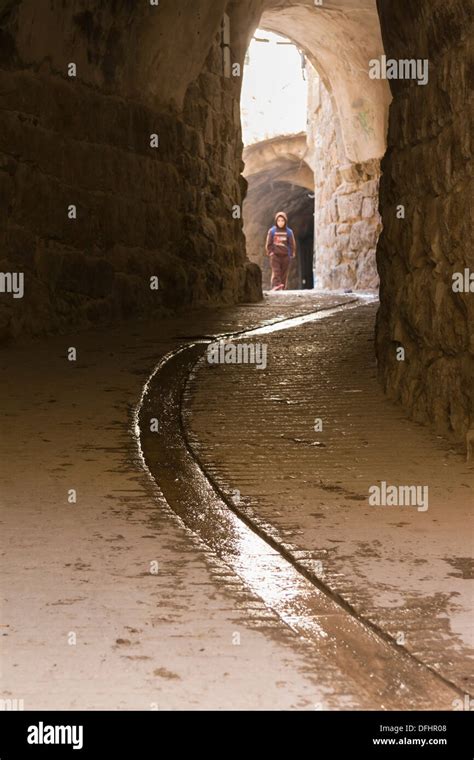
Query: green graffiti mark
point(363, 117)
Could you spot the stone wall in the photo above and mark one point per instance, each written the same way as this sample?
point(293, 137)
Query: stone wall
point(347, 222)
point(428, 171)
point(141, 212)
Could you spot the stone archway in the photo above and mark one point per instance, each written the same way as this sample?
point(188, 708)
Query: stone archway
point(339, 38)
point(282, 157)
point(346, 135)
point(279, 178)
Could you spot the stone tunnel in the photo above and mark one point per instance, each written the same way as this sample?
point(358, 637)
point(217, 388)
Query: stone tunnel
point(130, 207)
point(139, 78)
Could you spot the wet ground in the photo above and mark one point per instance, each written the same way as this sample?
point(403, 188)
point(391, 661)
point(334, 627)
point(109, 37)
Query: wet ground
point(228, 559)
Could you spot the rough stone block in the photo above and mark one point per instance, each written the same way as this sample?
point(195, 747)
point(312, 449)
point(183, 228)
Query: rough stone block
point(349, 206)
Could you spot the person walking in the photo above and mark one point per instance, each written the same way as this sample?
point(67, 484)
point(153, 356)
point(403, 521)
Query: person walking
point(281, 249)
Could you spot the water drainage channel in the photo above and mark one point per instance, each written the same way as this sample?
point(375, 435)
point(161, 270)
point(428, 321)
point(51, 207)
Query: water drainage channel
point(374, 672)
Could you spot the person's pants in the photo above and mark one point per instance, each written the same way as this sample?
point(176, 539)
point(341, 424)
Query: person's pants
point(280, 264)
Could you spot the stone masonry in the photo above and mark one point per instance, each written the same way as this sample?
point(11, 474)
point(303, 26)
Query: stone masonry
point(346, 221)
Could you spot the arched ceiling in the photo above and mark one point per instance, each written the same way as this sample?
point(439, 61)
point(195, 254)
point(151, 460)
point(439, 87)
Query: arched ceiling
point(339, 38)
point(279, 159)
point(154, 53)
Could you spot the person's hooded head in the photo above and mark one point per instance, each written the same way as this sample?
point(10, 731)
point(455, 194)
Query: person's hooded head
point(281, 220)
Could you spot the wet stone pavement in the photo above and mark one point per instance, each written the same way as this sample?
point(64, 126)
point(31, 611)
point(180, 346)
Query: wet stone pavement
point(114, 598)
point(303, 441)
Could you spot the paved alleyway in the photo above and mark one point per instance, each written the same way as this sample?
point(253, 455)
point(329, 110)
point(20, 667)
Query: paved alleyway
point(87, 622)
point(143, 640)
point(406, 569)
